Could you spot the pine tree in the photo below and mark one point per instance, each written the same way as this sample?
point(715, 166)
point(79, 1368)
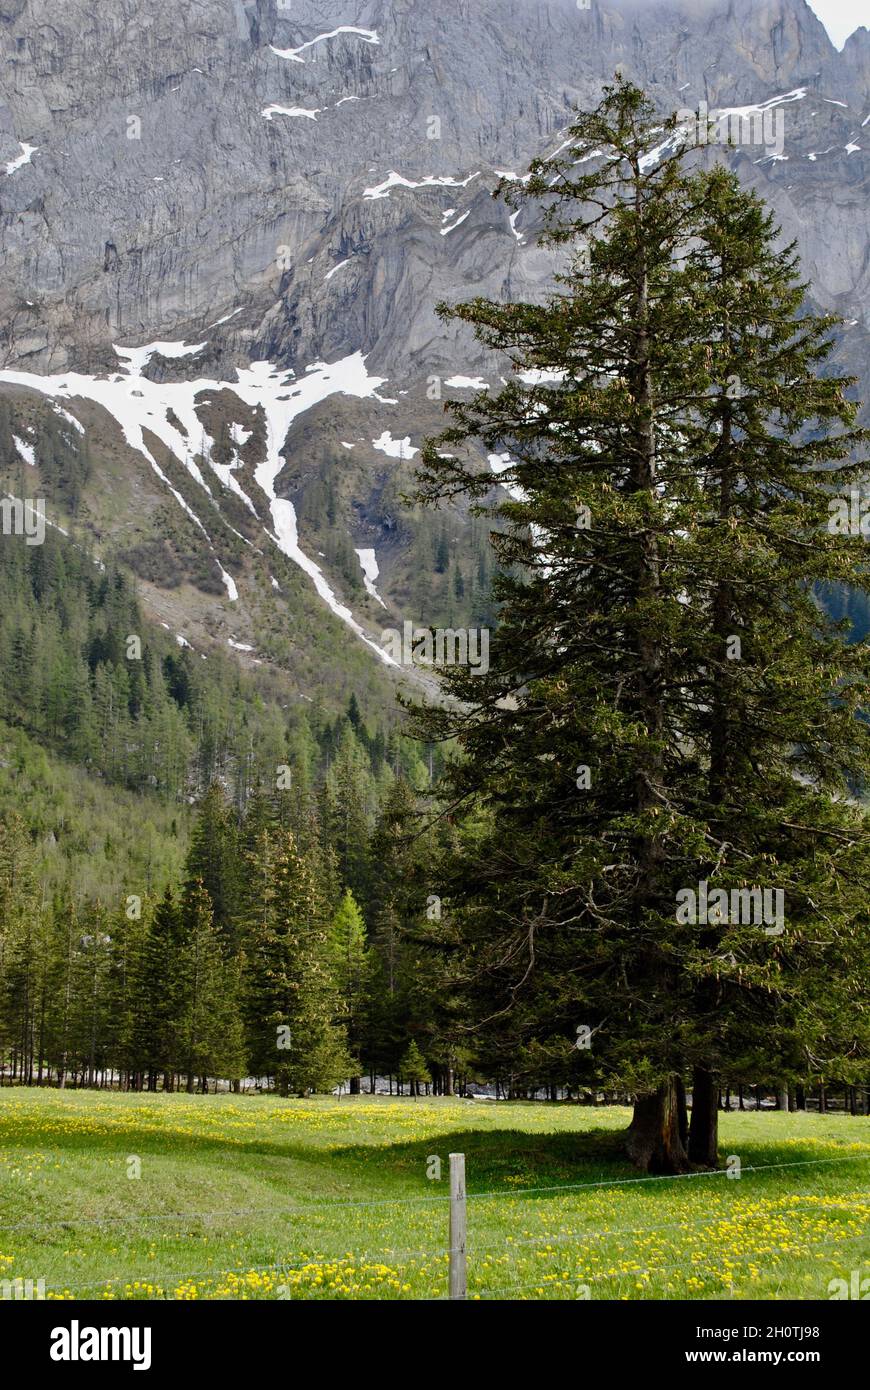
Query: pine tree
point(347, 938)
point(155, 1041)
point(208, 1020)
point(65, 935)
point(92, 994)
point(348, 806)
point(213, 859)
point(289, 995)
point(413, 1069)
point(128, 940)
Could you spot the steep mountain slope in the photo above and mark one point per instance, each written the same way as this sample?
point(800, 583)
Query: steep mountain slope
point(225, 227)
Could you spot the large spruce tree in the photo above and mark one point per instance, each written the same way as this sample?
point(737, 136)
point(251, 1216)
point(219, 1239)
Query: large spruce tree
point(667, 705)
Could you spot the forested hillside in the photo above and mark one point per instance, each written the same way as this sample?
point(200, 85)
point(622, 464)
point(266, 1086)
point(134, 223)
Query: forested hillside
point(115, 742)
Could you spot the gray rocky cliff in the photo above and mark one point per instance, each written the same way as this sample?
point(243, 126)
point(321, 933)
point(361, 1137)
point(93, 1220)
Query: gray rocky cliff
point(300, 182)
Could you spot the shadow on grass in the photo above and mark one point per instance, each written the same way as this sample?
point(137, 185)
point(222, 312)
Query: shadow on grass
point(503, 1159)
point(511, 1159)
point(496, 1159)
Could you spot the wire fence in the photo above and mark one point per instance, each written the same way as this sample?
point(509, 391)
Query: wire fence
point(154, 1282)
point(337, 1203)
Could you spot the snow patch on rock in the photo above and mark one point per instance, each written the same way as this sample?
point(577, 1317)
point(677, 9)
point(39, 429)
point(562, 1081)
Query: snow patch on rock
point(445, 231)
point(369, 566)
point(275, 110)
point(26, 155)
point(394, 180)
point(291, 55)
point(25, 450)
point(395, 448)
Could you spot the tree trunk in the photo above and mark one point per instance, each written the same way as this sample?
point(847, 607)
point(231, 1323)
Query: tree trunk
point(41, 1039)
point(656, 1137)
point(782, 1098)
point(704, 1128)
point(354, 1085)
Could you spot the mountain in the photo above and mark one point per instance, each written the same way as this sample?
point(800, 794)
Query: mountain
point(225, 226)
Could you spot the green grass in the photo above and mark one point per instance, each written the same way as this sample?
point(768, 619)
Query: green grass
point(257, 1197)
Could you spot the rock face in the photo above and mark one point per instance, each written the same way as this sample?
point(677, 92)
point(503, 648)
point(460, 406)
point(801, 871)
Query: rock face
point(300, 182)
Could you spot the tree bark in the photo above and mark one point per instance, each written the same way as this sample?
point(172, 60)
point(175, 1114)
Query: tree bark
point(656, 1138)
point(704, 1128)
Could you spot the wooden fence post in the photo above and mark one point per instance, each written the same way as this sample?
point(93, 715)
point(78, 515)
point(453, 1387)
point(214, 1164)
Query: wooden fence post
point(458, 1271)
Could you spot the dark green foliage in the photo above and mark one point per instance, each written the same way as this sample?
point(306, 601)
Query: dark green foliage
point(254, 962)
point(666, 702)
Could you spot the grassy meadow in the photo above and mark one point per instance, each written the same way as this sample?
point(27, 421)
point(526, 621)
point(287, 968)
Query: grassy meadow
point(261, 1198)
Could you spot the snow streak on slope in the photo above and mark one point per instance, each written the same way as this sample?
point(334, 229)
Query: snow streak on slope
point(369, 566)
point(445, 231)
point(513, 221)
point(394, 180)
point(25, 450)
point(225, 472)
point(797, 94)
point(276, 110)
point(720, 122)
point(139, 404)
point(232, 591)
point(282, 398)
point(292, 54)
